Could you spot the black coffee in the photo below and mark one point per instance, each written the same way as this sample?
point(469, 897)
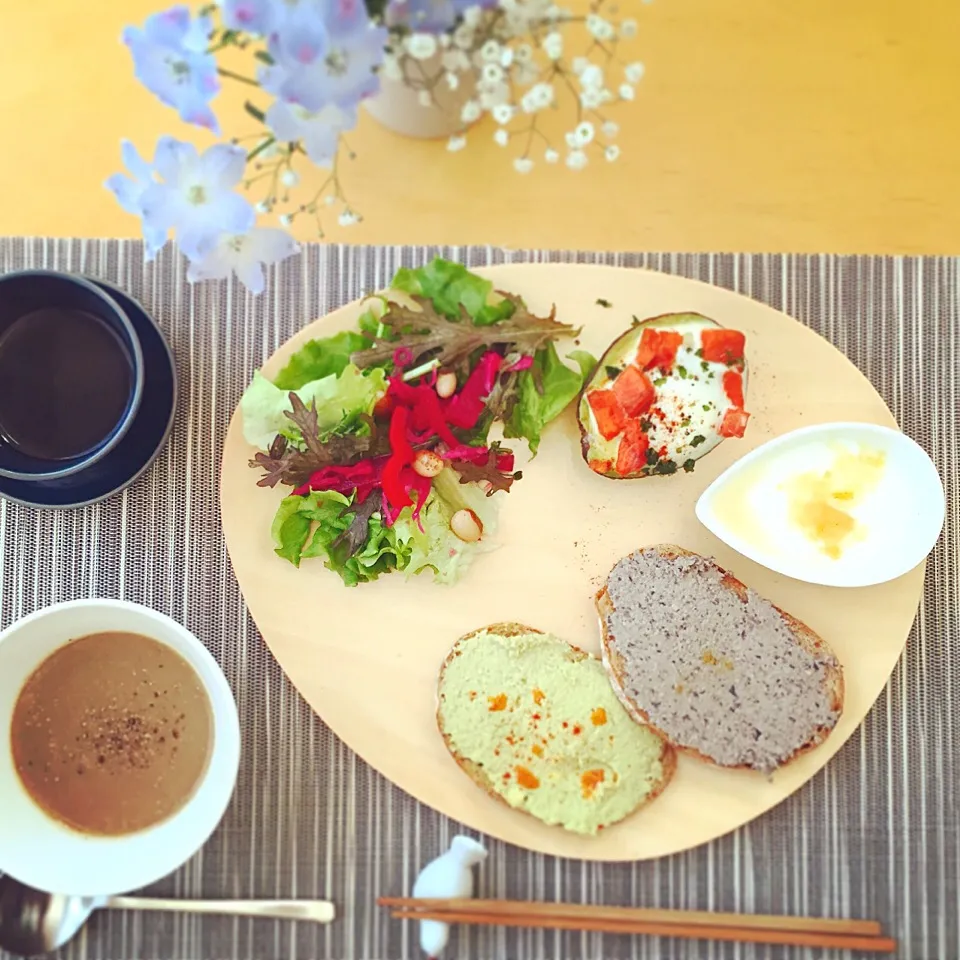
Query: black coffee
point(65, 381)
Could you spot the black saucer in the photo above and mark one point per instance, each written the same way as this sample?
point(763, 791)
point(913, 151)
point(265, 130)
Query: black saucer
point(143, 441)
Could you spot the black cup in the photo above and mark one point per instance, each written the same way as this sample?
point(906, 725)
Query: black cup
point(41, 313)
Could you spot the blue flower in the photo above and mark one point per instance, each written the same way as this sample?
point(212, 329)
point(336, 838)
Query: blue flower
point(299, 33)
point(129, 193)
point(244, 254)
point(194, 195)
point(342, 72)
point(318, 131)
point(251, 16)
point(170, 60)
point(428, 16)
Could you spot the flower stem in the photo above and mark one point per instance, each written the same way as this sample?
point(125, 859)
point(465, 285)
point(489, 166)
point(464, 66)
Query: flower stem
point(260, 148)
point(236, 76)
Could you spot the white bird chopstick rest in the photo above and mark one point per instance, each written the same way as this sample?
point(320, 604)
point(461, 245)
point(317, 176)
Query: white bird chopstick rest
point(450, 875)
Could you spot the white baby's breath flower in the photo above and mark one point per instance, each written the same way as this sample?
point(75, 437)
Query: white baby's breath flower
point(421, 46)
point(424, 98)
point(329, 199)
point(584, 133)
point(578, 65)
point(289, 178)
point(285, 219)
point(576, 159)
point(501, 137)
point(463, 37)
point(490, 52)
point(444, 40)
point(453, 81)
point(523, 164)
point(390, 68)
point(634, 72)
point(553, 45)
point(262, 207)
point(456, 143)
point(551, 155)
point(573, 141)
point(626, 91)
point(472, 16)
point(506, 57)
point(491, 97)
point(348, 218)
point(503, 113)
point(538, 97)
point(612, 152)
point(599, 28)
point(591, 77)
point(628, 29)
point(492, 73)
point(470, 112)
point(610, 129)
point(591, 99)
point(523, 53)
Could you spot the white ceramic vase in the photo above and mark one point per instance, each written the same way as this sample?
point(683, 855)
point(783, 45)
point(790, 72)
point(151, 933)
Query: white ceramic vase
point(397, 106)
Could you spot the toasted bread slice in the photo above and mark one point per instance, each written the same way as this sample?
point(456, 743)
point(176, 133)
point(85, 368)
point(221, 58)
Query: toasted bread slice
point(533, 721)
point(721, 672)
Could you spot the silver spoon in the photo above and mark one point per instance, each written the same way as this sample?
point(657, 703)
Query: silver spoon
point(33, 922)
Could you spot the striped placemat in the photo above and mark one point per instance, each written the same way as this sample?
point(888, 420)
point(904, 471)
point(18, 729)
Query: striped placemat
point(876, 834)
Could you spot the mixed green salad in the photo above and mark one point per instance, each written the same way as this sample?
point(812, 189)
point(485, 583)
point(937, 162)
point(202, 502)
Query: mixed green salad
point(383, 434)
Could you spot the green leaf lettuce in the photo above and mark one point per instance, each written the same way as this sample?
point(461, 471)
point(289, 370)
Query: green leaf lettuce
point(338, 397)
point(544, 392)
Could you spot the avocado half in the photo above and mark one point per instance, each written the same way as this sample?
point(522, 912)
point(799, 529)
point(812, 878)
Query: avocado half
point(689, 443)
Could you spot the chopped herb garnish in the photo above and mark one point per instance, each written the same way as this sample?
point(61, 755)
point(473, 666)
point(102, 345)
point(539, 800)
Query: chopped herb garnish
point(652, 456)
point(704, 365)
point(698, 353)
point(665, 467)
point(645, 426)
point(685, 422)
point(683, 372)
point(613, 372)
point(636, 321)
point(697, 440)
point(603, 303)
point(708, 407)
point(660, 381)
point(688, 465)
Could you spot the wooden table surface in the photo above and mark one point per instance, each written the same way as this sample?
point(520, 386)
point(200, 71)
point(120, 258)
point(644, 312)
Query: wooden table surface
point(761, 125)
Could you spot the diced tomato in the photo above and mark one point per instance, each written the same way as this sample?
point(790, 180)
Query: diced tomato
point(634, 391)
point(632, 455)
point(734, 422)
point(608, 411)
point(658, 348)
point(733, 388)
point(600, 466)
point(723, 346)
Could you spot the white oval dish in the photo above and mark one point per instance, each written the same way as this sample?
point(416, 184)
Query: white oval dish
point(836, 504)
point(44, 853)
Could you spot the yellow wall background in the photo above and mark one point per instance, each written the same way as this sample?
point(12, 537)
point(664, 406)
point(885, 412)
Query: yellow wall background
point(800, 125)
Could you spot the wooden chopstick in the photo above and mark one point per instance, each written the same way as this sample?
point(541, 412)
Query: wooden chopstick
point(688, 924)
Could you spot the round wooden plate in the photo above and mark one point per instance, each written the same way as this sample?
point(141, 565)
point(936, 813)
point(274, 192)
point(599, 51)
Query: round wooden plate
point(366, 659)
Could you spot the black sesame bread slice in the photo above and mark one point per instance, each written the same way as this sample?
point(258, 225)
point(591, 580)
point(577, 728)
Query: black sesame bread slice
point(533, 721)
point(721, 672)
